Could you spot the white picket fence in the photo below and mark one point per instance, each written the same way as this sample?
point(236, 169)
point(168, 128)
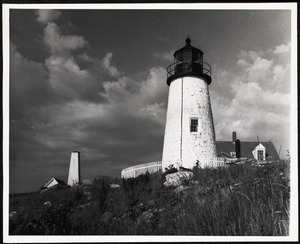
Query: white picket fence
point(136, 170)
point(152, 167)
point(214, 162)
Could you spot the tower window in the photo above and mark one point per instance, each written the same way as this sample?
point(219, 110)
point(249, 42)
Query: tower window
point(260, 155)
point(194, 125)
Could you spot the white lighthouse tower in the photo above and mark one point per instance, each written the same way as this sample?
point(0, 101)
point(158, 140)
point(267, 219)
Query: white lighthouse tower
point(189, 133)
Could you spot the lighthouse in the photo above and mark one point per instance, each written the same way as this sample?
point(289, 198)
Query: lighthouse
point(189, 133)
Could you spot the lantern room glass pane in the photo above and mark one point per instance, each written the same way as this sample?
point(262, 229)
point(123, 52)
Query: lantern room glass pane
point(197, 56)
point(179, 56)
point(200, 58)
point(187, 56)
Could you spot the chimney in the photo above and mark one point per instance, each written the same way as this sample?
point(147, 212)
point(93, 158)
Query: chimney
point(238, 148)
point(233, 136)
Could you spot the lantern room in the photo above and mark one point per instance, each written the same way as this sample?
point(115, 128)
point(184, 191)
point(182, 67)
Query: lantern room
point(188, 61)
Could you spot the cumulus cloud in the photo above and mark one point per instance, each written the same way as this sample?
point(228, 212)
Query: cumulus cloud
point(47, 15)
point(154, 110)
point(139, 95)
point(108, 67)
point(258, 102)
point(57, 42)
point(71, 82)
point(166, 56)
point(282, 49)
point(85, 57)
point(66, 77)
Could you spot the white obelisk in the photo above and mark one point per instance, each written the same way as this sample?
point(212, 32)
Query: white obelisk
point(74, 170)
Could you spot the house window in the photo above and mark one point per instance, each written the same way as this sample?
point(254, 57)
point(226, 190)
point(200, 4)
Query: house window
point(260, 155)
point(194, 125)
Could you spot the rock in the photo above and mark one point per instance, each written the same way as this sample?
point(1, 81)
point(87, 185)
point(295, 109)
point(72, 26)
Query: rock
point(107, 217)
point(114, 186)
point(177, 178)
point(47, 204)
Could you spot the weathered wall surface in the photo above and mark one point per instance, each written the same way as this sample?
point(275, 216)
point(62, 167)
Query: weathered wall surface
point(74, 170)
point(172, 137)
point(188, 98)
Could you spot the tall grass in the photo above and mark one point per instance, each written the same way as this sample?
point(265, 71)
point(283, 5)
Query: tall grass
point(239, 200)
point(248, 201)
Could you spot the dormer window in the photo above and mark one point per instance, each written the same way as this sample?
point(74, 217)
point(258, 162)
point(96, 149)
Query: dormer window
point(194, 125)
point(259, 153)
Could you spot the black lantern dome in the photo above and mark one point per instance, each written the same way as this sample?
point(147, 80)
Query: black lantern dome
point(188, 61)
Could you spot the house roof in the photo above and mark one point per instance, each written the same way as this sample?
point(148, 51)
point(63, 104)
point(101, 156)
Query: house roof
point(246, 148)
point(52, 179)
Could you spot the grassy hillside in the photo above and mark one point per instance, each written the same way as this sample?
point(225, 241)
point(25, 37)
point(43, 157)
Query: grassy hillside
point(238, 200)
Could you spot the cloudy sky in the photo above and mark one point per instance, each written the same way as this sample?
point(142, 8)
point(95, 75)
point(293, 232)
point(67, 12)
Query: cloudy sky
point(95, 81)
